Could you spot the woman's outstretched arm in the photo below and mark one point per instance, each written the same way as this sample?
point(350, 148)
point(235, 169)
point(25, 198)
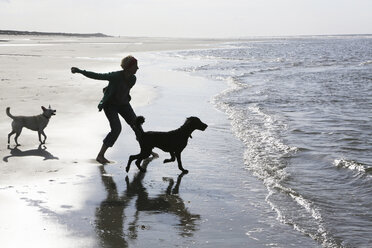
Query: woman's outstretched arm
point(92, 75)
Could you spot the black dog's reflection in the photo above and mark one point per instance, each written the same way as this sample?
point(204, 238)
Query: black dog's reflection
point(110, 214)
point(39, 152)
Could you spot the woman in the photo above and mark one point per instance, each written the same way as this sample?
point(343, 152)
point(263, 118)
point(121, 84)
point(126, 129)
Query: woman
point(115, 100)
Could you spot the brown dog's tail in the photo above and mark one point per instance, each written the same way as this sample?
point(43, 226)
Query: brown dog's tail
point(137, 127)
point(8, 113)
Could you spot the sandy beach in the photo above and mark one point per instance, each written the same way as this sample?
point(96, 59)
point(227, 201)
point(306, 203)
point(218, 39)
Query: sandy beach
point(56, 195)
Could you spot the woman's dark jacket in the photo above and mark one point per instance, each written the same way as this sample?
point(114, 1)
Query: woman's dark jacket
point(117, 91)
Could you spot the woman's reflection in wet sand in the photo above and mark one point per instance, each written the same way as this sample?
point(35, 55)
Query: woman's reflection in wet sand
point(110, 215)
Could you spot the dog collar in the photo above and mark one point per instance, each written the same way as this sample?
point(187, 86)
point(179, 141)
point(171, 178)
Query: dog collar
point(46, 116)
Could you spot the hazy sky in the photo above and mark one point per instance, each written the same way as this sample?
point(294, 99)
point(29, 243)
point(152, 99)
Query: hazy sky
point(189, 18)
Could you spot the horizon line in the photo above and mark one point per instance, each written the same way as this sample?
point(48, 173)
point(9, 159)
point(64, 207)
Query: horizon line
point(100, 34)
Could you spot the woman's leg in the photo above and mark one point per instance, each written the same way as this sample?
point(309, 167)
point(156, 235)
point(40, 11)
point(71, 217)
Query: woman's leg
point(127, 112)
point(101, 155)
point(113, 118)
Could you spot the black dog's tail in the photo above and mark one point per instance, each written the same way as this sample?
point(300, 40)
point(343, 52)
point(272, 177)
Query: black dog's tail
point(138, 126)
point(8, 113)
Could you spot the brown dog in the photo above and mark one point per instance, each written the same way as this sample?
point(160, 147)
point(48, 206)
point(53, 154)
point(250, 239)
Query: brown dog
point(35, 123)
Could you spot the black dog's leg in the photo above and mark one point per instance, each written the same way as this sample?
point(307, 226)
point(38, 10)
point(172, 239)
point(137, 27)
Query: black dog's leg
point(178, 156)
point(138, 163)
point(131, 158)
point(143, 155)
point(172, 159)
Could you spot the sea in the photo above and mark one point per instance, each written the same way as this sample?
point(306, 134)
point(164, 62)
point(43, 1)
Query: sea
point(302, 107)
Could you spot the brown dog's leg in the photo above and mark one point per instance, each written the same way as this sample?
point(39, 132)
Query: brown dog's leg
point(10, 134)
point(16, 137)
point(44, 135)
point(39, 133)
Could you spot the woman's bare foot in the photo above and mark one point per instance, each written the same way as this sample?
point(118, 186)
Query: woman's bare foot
point(102, 160)
point(101, 155)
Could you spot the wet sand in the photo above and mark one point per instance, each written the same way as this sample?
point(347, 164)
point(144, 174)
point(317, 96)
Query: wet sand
point(56, 195)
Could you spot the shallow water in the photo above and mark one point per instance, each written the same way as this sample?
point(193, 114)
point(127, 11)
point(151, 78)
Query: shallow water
point(302, 107)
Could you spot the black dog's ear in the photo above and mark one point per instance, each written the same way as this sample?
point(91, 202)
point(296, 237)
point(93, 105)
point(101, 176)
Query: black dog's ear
point(43, 108)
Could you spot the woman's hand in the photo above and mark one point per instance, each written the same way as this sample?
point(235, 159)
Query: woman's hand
point(75, 70)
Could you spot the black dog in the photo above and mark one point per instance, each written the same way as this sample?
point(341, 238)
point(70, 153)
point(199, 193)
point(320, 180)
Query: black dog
point(173, 141)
